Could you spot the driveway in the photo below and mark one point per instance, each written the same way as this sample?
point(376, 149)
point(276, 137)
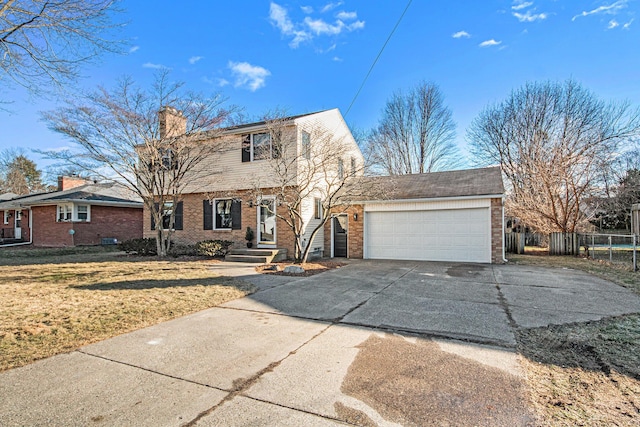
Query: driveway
point(371, 343)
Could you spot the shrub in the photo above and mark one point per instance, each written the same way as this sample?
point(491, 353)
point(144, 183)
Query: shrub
point(142, 247)
point(182, 250)
point(213, 248)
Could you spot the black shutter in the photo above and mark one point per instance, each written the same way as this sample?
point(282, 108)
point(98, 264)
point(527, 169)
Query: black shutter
point(236, 215)
point(246, 148)
point(153, 220)
point(207, 214)
point(177, 223)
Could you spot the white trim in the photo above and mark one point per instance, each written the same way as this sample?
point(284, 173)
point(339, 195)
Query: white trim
point(267, 244)
point(73, 210)
point(6, 217)
point(429, 205)
point(17, 230)
point(427, 199)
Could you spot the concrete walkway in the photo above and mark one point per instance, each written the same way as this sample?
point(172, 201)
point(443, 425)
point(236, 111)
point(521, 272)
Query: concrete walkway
point(371, 343)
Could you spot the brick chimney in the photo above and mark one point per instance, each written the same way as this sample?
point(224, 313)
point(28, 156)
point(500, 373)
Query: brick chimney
point(171, 122)
point(67, 182)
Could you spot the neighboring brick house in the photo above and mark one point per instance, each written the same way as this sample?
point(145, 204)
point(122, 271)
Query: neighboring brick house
point(443, 216)
point(79, 213)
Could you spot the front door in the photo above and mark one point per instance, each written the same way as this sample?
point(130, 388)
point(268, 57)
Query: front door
point(267, 222)
point(340, 226)
point(18, 225)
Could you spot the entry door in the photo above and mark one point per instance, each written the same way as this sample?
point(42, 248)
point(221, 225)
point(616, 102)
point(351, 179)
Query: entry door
point(267, 222)
point(18, 225)
point(340, 226)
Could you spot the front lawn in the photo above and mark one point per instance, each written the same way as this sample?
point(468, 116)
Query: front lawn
point(587, 373)
point(53, 303)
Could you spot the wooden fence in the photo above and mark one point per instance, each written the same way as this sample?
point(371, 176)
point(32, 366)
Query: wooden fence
point(564, 244)
point(514, 242)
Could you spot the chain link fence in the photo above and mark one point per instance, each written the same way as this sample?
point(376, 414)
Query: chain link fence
point(615, 248)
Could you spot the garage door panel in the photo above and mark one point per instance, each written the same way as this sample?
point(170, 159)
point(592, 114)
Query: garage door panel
point(439, 235)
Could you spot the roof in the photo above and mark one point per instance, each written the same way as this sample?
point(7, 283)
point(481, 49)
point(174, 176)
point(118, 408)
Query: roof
point(233, 129)
point(109, 194)
point(435, 185)
point(8, 196)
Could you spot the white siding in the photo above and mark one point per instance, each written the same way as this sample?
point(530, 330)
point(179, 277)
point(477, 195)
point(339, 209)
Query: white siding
point(308, 210)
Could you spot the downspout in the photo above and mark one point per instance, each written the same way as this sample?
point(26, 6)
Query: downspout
point(30, 234)
point(504, 255)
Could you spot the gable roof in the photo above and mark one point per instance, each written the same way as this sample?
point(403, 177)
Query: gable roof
point(435, 185)
point(106, 194)
point(234, 129)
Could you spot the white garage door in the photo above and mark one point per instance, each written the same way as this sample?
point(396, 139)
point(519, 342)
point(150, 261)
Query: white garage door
point(438, 235)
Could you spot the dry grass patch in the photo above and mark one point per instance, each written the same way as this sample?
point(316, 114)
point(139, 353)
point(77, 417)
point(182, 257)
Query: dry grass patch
point(54, 305)
point(585, 374)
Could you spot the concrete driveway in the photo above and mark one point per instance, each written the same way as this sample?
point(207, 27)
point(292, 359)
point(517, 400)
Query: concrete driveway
point(371, 343)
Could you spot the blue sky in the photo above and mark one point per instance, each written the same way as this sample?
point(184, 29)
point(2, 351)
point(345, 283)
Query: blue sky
point(310, 55)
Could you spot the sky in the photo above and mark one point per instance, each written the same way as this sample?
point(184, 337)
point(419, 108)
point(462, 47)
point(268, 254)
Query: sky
point(310, 55)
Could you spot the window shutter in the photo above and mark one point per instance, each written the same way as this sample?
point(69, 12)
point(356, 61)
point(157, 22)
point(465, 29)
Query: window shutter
point(177, 223)
point(153, 220)
point(246, 148)
point(207, 211)
point(236, 215)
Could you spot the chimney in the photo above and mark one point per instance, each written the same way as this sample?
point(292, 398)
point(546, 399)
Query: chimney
point(171, 122)
point(67, 182)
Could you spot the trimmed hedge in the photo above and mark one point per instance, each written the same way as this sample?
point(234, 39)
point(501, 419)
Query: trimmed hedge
point(144, 247)
point(213, 248)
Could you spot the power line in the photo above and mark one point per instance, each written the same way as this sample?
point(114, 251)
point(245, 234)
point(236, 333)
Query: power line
point(378, 57)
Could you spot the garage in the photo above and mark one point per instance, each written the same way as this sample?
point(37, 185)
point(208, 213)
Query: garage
point(429, 235)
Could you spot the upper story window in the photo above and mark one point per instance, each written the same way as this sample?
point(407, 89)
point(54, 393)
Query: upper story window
point(340, 169)
point(70, 212)
point(306, 145)
point(259, 146)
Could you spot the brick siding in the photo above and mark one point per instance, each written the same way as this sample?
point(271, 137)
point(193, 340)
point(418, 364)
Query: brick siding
point(106, 221)
point(497, 232)
point(355, 232)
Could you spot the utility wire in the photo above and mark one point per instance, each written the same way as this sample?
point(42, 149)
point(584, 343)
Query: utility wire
point(378, 57)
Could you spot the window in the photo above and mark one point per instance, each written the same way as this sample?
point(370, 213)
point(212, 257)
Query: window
point(340, 169)
point(317, 208)
point(353, 166)
point(222, 214)
point(306, 145)
point(260, 146)
point(169, 162)
point(70, 212)
point(167, 210)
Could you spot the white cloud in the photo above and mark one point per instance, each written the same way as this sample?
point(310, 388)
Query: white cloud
point(311, 27)
point(336, 59)
point(195, 59)
point(223, 82)
point(306, 9)
point(529, 17)
point(154, 66)
point(490, 42)
point(246, 75)
point(611, 9)
point(612, 24)
point(330, 6)
point(346, 16)
point(461, 34)
point(134, 49)
point(521, 4)
point(627, 25)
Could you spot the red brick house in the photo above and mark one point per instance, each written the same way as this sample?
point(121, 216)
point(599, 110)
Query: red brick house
point(444, 216)
point(79, 213)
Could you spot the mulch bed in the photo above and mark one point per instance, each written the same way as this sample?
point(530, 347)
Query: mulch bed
point(310, 268)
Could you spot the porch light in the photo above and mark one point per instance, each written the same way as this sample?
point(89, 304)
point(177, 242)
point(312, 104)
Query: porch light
point(355, 216)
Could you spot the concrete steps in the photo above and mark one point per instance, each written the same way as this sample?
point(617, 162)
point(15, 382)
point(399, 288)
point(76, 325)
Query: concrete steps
point(262, 256)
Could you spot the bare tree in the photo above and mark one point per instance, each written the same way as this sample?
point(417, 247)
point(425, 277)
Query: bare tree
point(414, 135)
point(44, 43)
point(151, 141)
point(325, 171)
point(552, 141)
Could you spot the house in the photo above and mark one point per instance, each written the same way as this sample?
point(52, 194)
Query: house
point(80, 213)
point(444, 216)
point(237, 188)
point(440, 216)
